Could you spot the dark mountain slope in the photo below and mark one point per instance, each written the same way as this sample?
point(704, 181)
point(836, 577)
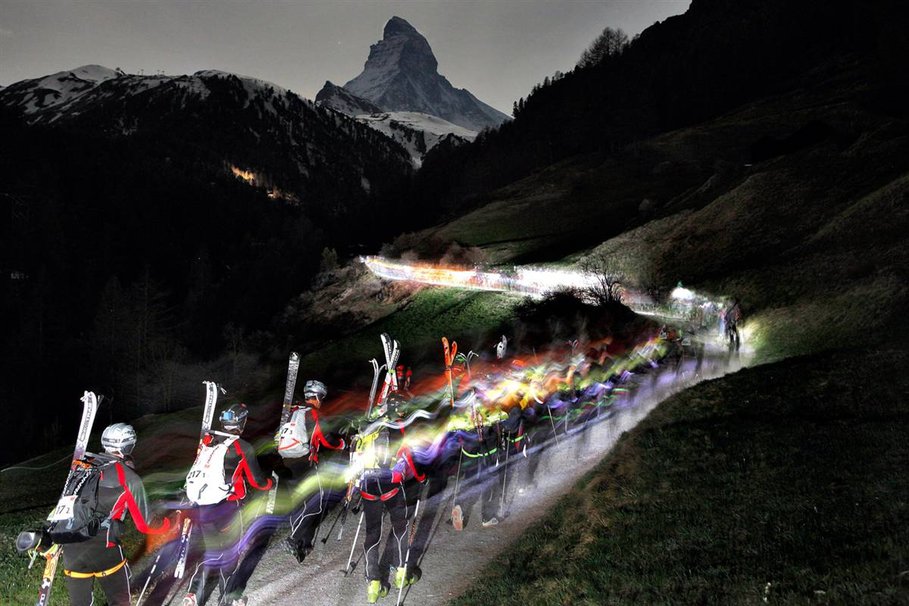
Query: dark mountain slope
point(689, 68)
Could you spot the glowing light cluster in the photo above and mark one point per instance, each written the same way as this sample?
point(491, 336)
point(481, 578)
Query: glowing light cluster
point(246, 175)
point(524, 280)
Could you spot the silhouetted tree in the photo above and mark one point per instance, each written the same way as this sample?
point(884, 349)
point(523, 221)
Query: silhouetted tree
point(609, 43)
point(607, 280)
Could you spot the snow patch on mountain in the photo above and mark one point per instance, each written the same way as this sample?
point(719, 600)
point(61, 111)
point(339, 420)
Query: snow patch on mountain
point(61, 88)
point(416, 132)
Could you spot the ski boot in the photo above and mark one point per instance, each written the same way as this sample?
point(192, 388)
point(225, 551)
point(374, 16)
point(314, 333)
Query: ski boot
point(298, 551)
point(189, 600)
point(374, 591)
point(240, 601)
point(402, 579)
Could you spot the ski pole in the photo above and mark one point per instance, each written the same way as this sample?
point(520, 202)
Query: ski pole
point(504, 476)
point(458, 475)
point(554, 434)
point(343, 520)
point(333, 524)
point(413, 534)
point(344, 513)
point(150, 575)
point(354, 546)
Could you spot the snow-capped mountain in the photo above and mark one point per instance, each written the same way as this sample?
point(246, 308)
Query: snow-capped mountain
point(56, 91)
point(415, 131)
point(254, 129)
point(401, 75)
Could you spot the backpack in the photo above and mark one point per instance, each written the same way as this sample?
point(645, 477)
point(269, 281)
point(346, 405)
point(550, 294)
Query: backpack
point(293, 440)
point(76, 517)
point(373, 450)
point(205, 483)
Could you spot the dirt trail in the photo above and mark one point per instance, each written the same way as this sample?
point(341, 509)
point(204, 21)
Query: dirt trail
point(451, 559)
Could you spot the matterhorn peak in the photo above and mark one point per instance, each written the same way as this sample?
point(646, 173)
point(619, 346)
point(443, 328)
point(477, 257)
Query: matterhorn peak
point(396, 26)
point(401, 74)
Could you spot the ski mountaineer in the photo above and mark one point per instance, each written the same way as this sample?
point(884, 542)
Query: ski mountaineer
point(732, 316)
point(216, 486)
point(300, 450)
point(119, 491)
point(379, 472)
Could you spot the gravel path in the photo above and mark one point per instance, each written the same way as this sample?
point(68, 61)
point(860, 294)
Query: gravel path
point(451, 559)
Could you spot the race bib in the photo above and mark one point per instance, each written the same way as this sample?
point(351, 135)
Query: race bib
point(64, 509)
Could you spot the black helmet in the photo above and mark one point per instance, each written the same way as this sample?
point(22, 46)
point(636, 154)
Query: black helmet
point(395, 403)
point(233, 418)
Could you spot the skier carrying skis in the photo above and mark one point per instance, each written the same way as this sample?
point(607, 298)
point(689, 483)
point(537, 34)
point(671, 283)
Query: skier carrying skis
point(296, 442)
point(217, 485)
point(380, 474)
point(119, 491)
point(732, 317)
point(404, 376)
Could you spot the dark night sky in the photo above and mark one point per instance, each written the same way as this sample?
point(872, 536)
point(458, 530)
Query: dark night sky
point(496, 49)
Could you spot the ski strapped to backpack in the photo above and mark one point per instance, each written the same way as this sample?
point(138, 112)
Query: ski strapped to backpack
point(450, 353)
point(376, 371)
point(89, 410)
point(208, 415)
point(293, 367)
point(392, 352)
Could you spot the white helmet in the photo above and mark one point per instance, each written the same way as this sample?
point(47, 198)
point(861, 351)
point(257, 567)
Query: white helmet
point(315, 388)
point(118, 439)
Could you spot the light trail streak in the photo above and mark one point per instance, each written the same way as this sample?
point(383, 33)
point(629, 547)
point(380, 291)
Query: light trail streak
point(521, 280)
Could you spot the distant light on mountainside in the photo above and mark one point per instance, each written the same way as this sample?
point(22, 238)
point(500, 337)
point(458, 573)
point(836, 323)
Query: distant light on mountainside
point(256, 180)
point(246, 175)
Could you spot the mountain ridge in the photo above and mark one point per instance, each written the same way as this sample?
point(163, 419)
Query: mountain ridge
point(401, 74)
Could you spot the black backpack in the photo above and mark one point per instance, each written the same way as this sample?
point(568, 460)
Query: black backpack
point(76, 517)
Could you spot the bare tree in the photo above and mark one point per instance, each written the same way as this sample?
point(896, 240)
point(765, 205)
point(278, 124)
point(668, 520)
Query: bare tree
point(608, 44)
point(606, 280)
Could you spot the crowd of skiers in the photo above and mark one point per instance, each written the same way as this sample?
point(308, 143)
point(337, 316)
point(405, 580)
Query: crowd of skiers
point(375, 464)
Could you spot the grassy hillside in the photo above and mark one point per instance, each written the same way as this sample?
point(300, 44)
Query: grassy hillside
point(794, 203)
point(773, 485)
point(780, 484)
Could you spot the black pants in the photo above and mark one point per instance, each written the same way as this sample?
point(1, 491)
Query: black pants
point(306, 519)
point(94, 556)
point(373, 511)
point(220, 528)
